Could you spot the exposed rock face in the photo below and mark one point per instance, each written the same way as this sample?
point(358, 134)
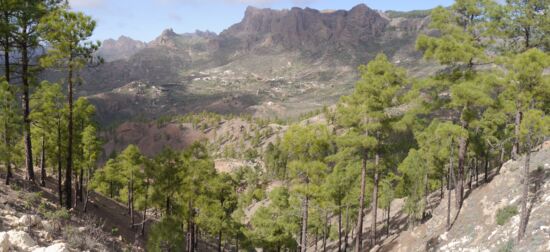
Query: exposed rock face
point(21, 240)
point(58, 247)
point(307, 30)
point(122, 48)
point(4, 242)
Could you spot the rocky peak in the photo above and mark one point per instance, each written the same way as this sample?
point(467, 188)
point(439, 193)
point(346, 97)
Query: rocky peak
point(122, 48)
point(307, 30)
point(168, 33)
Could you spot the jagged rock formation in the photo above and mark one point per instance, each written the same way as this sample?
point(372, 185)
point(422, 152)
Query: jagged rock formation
point(121, 49)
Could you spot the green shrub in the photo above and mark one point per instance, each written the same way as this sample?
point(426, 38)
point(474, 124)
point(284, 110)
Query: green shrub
point(504, 214)
point(114, 231)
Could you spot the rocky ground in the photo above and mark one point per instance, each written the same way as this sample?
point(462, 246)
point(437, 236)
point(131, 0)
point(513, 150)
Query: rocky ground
point(476, 227)
point(29, 222)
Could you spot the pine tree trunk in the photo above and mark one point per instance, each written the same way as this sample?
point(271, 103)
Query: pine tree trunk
point(68, 172)
point(339, 226)
point(7, 51)
point(26, 107)
point(190, 229)
point(131, 201)
point(8, 159)
point(501, 160)
point(59, 172)
point(476, 171)
point(316, 240)
point(525, 197)
point(81, 185)
point(359, 238)
point(449, 173)
point(87, 190)
point(347, 230)
point(325, 232)
point(167, 206)
point(426, 187)
point(237, 242)
point(6, 125)
point(470, 176)
point(303, 243)
point(144, 219)
point(375, 198)
point(517, 122)
point(388, 221)
point(462, 150)
point(43, 164)
point(487, 158)
point(220, 241)
point(75, 190)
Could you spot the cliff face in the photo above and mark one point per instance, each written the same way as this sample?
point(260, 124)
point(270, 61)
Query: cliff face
point(307, 30)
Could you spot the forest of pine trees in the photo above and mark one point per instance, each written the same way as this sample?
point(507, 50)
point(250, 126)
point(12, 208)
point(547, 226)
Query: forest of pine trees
point(393, 137)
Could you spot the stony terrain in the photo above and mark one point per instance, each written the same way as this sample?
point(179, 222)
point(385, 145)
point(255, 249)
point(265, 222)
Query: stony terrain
point(29, 222)
point(476, 227)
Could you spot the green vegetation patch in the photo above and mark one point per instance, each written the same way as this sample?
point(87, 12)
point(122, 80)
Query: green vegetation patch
point(504, 214)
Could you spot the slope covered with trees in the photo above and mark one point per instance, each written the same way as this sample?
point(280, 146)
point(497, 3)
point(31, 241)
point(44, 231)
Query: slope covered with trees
point(309, 185)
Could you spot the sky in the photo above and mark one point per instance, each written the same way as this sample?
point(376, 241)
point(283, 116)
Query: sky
point(145, 19)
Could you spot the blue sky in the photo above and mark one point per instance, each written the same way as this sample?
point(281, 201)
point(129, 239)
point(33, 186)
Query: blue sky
point(146, 19)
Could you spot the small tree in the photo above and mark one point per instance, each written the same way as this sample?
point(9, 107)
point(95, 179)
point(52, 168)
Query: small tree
point(91, 147)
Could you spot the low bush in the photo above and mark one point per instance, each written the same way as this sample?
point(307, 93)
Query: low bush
point(504, 214)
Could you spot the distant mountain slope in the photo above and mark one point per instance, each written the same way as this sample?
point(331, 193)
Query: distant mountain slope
point(282, 62)
point(122, 48)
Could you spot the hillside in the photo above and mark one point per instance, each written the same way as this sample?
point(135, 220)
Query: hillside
point(475, 228)
point(273, 63)
point(29, 221)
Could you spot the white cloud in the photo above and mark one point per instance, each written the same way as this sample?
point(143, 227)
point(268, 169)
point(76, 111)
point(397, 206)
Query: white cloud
point(86, 3)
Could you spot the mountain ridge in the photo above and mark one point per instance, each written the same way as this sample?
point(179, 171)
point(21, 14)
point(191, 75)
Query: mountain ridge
point(282, 62)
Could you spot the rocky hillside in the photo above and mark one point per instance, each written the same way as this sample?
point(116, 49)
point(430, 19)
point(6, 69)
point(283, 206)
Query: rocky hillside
point(273, 63)
point(488, 220)
point(29, 222)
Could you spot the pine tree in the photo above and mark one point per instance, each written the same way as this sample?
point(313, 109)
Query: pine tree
point(307, 147)
point(84, 113)
point(11, 122)
point(460, 48)
point(272, 227)
point(533, 129)
point(67, 34)
point(91, 147)
point(415, 177)
point(7, 27)
point(371, 117)
point(198, 169)
point(131, 162)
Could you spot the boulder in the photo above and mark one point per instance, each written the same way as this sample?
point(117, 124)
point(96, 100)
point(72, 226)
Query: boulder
point(4, 242)
point(21, 240)
point(29, 220)
point(58, 247)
